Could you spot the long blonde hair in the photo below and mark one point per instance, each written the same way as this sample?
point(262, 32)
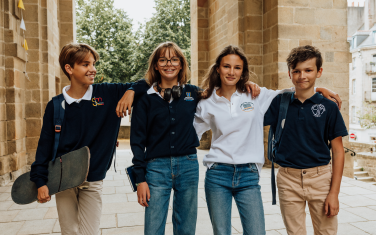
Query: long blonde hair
point(153, 75)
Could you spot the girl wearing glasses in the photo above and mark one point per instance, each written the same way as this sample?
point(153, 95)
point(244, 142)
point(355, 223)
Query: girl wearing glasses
point(164, 143)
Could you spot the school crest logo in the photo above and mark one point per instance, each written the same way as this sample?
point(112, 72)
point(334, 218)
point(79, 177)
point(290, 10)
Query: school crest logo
point(247, 106)
point(97, 101)
point(318, 110)
point(188, 96)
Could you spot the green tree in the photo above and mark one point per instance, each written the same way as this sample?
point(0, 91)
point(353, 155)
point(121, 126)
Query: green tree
point(171, 22)
point(109, 31)
point(367, 117)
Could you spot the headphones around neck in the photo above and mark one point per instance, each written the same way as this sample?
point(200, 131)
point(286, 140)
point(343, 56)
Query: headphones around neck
point(175, 91)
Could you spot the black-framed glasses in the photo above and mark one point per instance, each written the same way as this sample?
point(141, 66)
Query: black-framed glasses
point(175, 61)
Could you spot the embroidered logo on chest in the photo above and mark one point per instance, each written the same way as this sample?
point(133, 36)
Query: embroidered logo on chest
point(97, 101)
point(247, 106)
point(189, 96)
point(318, 110)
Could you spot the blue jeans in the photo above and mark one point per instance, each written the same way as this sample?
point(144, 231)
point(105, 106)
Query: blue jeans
point(224, 181)
point(180, 174)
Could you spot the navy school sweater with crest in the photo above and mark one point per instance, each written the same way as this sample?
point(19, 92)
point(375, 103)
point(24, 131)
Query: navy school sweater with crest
point(164, 129)
point(91, 123)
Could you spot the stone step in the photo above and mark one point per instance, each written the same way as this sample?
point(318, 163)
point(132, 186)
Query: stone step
point(356, 169)
point(365, 179)
point(361, 174)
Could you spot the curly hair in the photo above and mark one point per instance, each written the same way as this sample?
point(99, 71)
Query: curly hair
point(304, 53)
point(212, 78)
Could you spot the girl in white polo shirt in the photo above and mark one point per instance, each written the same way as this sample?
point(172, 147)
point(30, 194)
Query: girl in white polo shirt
point(236, 154)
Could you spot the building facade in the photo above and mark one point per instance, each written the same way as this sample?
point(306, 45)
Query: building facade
point(267, 30)
point(29, 78)
point(362, 78)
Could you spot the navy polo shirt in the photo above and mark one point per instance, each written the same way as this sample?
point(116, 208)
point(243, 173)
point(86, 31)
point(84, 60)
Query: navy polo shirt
point(161, 129)
point(309, 127)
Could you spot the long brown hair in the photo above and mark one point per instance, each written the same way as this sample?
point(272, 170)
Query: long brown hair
point(212, 78)
point(153, 75)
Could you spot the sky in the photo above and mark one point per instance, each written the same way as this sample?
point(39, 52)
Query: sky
point(138, 10)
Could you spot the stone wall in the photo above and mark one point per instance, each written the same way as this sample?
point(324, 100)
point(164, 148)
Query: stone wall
point(29, 79)
point(368, 162)
point(361, 147)
point(267, 30)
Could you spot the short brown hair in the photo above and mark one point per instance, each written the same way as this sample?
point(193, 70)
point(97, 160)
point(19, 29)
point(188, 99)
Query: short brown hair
point(75, 53)
point(304, 53)
point(153, 75)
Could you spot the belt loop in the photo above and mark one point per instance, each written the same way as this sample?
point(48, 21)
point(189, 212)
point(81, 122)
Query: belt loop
point(318, 169)
point(285, 168)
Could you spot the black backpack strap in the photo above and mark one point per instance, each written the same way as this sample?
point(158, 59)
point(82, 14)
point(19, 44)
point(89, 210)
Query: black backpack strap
point(58, 121)
point(273, 143)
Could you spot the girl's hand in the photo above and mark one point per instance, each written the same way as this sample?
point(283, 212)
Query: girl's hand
point(143, 194)
point(251, 86)
point(331, 205)
point(43, 194)
point(125, 103)
point(331, 95)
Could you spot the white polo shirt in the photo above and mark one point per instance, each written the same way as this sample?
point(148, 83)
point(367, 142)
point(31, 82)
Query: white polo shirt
point(237, 126)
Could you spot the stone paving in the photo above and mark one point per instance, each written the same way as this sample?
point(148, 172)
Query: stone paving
point(122, 214)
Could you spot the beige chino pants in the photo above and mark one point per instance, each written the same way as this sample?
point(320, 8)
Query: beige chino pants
point(80, 210)
point(296, 187)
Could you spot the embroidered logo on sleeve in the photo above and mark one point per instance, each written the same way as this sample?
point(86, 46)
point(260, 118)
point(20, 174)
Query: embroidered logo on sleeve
point(97, 101)
point(318, 110)
point(247, 106)
point(189, 96)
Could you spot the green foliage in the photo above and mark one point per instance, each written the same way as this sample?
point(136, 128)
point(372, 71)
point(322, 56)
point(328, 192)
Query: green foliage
point(171, 22)
point(124, 55)
point(367, 118)
point(108, 30)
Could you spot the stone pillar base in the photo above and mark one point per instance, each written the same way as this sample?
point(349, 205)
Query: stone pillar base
point(12, 176)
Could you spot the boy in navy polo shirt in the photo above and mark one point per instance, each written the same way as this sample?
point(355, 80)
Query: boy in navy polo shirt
point(306, 174)
point(89, 120)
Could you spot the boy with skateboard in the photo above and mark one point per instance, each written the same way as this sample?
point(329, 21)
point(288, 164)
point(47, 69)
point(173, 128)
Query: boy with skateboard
point(90, 120)
point(307, 173)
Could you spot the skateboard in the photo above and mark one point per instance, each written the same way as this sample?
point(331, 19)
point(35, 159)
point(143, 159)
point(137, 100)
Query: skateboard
point(67, 171)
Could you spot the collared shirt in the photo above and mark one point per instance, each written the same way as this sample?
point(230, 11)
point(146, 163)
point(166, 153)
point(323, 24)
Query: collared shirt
point(152, 91)
point(309, 127)
point(70, 100)
point(237, 126)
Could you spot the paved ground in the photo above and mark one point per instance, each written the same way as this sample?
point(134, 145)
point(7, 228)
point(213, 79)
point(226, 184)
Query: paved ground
point(122, 215)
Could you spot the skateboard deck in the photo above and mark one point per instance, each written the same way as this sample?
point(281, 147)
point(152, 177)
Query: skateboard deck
point(67, 171)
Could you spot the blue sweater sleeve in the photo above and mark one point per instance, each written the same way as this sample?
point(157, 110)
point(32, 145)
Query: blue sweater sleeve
point(138, 138)
point(118, 89)
point(39, 169)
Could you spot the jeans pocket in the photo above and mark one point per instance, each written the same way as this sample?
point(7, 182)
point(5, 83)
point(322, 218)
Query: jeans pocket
point(253, 168)
point(192, 157)
point(151, 160)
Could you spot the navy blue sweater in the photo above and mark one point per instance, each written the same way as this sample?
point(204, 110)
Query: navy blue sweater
point(84, 125)
point(164, 129)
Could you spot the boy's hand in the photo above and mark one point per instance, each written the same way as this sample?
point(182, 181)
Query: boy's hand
point(331, 205)
point(125, 103)
point(43, 194)
point(331, 95)
point(143, 194)
point(251, 86)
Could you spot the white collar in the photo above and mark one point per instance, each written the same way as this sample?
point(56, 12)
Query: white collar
point(70, 100)
point(217, 98)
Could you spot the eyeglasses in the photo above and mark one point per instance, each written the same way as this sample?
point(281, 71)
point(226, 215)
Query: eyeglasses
point(175, 61)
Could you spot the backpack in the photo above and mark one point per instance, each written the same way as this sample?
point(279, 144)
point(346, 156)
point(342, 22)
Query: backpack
point(58, 121)
point(275, 138)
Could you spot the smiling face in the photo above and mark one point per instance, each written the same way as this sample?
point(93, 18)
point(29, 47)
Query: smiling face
point(171, 70)
point(304, 75)
point(230, 70)
point(84, 72)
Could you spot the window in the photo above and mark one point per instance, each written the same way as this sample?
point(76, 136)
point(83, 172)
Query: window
point(373, 84)
point(374, 37)
point(353, 114)
point(353, 86)
point(353, 62)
